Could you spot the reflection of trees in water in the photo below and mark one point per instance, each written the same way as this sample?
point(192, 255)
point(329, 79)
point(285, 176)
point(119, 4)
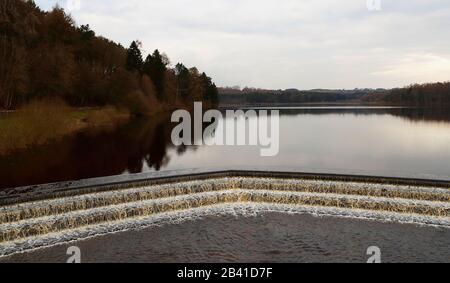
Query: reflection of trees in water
point(411, 114)
point(87, 155)
point(142, 144)
point(424, 114)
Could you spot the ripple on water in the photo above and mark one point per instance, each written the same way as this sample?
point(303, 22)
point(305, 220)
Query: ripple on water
point(262, 237)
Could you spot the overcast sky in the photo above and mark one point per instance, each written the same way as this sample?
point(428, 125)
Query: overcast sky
point(284, 43)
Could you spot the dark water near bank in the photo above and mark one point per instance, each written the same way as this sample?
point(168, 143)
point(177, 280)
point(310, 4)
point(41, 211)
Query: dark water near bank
point(379, 141)
point(269, 237)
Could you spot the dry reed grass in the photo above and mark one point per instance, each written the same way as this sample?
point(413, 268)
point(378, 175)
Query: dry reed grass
point(43, 121)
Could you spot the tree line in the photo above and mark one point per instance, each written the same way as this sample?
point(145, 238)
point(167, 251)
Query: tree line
point(294, 96)
point(424, 95)
point(421, 95)
point(45, 54)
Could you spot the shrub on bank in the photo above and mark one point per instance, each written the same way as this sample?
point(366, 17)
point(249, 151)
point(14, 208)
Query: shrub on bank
point(42, 121)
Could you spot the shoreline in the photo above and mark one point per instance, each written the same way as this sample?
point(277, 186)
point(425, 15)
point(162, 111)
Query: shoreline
point(331, 104)
point(22, 130)
point(19, 132)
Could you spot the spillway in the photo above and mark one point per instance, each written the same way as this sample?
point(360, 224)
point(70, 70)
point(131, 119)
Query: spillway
point(35, 217)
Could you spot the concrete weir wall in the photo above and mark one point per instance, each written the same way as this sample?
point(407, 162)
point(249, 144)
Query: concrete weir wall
point(38, 216)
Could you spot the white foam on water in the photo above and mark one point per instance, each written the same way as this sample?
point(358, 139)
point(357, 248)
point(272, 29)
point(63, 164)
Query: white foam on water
point(287, 184)
point(236, 209)
point(198, 197)
point(100, 213)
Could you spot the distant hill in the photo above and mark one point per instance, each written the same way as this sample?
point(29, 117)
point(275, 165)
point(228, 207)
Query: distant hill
point(293, 96)
point(423, 95)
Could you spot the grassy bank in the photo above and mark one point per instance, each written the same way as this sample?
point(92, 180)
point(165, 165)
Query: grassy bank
point(43, 121)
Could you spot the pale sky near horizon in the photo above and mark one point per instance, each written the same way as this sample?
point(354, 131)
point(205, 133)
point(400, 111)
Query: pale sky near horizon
point(278, 44)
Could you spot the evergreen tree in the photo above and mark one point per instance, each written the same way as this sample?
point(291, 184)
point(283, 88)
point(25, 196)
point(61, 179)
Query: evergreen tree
point(183, 81)
point(134, 57)
point(86, 33)
point(211, 92)
point(155, 67)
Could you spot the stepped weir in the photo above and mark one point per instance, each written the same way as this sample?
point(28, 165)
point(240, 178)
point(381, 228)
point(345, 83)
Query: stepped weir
point(39, 216)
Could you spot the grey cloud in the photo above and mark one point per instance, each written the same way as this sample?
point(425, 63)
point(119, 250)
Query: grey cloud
point(289, 43)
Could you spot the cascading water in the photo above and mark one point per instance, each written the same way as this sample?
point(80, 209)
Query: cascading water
point(89, 212)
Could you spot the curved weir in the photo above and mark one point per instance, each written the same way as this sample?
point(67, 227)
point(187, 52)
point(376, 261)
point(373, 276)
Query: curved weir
point(40, 216)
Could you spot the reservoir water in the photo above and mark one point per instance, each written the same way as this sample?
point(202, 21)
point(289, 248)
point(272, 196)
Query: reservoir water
point(356, 140)
point(266, 237)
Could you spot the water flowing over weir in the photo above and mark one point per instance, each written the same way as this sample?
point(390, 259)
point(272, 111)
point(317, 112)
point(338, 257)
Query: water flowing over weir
point(40, 216)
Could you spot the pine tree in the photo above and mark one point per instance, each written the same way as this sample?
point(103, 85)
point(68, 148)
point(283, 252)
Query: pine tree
point(155, 67)
point(134, 57)
point(211, 92)
point(183, 81)
point(86, 33)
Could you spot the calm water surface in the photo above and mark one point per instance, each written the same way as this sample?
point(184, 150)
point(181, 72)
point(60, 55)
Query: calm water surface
point(374, 141)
